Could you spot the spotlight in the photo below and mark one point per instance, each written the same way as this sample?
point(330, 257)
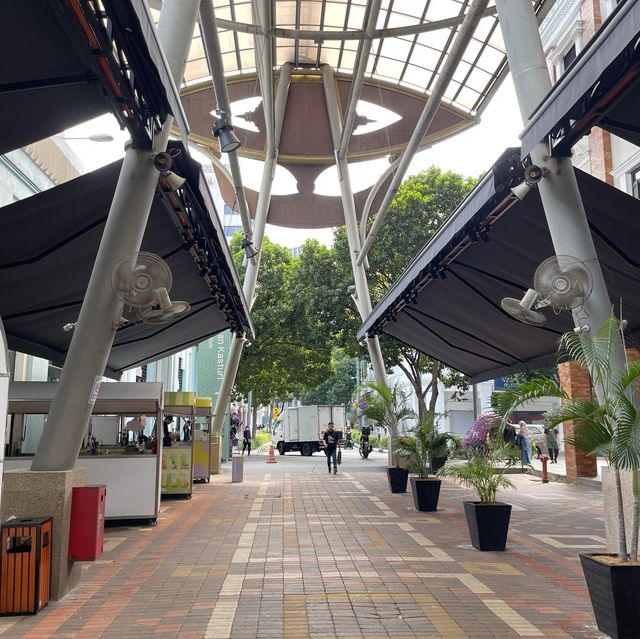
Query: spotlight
point(226, 137)
point(163, 163)
point(521, 190)
point(352, 291)
point(249, 249)
point(69, 327)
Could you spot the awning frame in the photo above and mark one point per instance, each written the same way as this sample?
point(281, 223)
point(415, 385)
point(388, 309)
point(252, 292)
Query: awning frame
point(600, 86)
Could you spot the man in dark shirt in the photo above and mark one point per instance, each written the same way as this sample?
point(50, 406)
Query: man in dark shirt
point(331, 442)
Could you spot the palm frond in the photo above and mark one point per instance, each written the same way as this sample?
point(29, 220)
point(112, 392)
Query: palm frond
point(511, 398)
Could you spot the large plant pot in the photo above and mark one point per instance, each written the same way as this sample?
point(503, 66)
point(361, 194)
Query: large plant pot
point(397, 479)
point(425, 493)
point(488, 524)
point(615, 591)
point(437, 463)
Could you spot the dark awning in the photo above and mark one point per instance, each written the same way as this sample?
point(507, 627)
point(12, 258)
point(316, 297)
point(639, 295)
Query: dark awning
point(67, 62)
point(458, 320)
point(602, 87)
point(48, 244)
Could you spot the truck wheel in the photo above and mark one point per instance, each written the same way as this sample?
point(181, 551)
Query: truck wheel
point(306, 450)
point(280, 448)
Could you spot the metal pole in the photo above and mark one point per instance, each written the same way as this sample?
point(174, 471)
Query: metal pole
point(213, 52)
point(251, 274)
point(467, 29)
point(363, 300)
point(564, 211)
point(358, 77)
point(94, 332)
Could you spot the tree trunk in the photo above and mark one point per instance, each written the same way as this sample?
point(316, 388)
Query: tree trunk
point(622, 530)
point(435, 375)
point(254, 419)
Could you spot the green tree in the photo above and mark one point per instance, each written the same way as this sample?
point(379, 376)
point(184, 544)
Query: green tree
point(422, 204)
point(337, 389)
point(290, 351)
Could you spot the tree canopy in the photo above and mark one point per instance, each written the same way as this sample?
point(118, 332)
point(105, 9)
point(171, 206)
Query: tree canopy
point(304, 311)
point(291, 351)
point(422, 204)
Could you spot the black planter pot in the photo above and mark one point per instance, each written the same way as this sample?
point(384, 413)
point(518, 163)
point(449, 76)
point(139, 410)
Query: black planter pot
point(425, 493)
point(615, 592)
point(437, 463)
point(488, 524)
point(397, 479)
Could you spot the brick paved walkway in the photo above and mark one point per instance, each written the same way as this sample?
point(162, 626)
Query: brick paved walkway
point(293, 553)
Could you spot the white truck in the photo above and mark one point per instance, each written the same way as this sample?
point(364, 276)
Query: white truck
point(299, 427)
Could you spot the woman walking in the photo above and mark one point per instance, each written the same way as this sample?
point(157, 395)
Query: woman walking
point(552, 444)
point(525, 443)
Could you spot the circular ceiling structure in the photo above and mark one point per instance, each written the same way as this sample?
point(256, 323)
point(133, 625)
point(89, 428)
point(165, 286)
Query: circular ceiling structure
point(393, 52)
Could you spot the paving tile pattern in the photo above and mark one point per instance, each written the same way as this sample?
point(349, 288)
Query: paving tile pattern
point(293, 553)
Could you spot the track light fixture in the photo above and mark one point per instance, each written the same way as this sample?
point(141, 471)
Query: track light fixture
point(223, 130)
point(163, 162)
point(248, 247)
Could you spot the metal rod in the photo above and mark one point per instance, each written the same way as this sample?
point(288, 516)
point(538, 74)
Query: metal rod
point(364, 48)
point(563, 207)
point(253, 266)
point(323, 36)
point(213, 52)
point(264, 59)
point(469, 24)
point(362, 297)
point(94, 332)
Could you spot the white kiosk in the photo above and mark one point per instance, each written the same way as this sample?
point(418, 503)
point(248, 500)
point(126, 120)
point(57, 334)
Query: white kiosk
point(130, 471)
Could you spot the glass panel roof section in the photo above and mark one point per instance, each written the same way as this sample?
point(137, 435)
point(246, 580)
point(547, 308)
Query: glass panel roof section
point(411, 58)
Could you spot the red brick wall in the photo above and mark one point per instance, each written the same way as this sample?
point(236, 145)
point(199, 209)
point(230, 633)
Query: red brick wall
point(599, 140)
point(576, 383)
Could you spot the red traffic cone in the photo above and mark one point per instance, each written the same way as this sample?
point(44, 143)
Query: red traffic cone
point(272, 458)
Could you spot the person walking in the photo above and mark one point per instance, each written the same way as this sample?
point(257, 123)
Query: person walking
point(246, 440)
point(525, 443)
point(331, 441)
point(552, 444)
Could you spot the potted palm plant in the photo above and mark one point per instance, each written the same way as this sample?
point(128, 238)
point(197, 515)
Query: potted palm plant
point(607, 425)
point(420, 449)
point(489, 458)
point(389, 408)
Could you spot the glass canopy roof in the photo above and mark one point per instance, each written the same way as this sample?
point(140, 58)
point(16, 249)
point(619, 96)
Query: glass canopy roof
point(409, 48)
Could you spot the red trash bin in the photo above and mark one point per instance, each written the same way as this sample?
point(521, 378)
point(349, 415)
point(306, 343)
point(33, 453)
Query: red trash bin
point(87, 522)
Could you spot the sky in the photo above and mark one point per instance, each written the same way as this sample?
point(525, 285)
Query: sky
point(469, 153)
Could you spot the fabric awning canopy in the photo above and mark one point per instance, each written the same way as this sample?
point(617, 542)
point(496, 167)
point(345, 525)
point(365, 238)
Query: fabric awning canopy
point(458, 320)
point(125, 398)
point(601, 88)
point(67, 62)
point(48, 244)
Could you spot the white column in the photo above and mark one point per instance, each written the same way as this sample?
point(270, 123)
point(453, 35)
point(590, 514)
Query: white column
point(94, 333)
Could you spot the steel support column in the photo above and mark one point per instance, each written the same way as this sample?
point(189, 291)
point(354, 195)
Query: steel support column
point(253, 266)
point(364, 49)
point(564, 211)
point(94, 332)
point(213, 52)
point(362, 298)
point(467, 29)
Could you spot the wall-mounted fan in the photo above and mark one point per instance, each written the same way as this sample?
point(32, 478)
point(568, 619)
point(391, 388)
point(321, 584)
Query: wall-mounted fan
point(561, 281)
point(143, 281)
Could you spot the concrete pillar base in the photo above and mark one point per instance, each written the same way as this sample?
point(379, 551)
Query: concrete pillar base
point(28, 493)
point(610, 500)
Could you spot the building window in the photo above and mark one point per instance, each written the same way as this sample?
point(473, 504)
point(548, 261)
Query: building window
point(569, 57)
point(635, 183)
point(180, 373)
point(143, 374)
